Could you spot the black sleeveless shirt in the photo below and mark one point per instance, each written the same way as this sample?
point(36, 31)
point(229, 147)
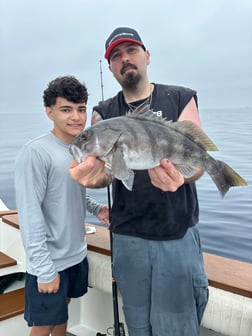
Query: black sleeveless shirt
point(146, 211)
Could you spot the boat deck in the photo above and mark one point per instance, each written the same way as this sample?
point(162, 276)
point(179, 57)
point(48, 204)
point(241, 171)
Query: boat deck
point(230, 283)
point(223, 273)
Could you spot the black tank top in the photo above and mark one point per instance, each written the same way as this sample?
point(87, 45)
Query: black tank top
point(146, 211)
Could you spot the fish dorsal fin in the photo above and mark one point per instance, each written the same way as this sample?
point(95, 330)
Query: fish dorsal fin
point(185, 127)
point(194, 133)
point(144, 112)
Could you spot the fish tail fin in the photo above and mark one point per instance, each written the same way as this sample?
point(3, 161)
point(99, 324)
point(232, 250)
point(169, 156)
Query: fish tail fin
point(226, 177)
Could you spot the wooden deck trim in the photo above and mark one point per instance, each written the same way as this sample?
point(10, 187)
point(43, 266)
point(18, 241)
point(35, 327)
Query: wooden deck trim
point(99, 242)
point(7, 212)
point(11, 304)
point(229, 274)
point(6, 261)
point(11, 219)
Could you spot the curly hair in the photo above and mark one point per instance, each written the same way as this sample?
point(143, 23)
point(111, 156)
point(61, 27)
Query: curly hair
point(67, 87)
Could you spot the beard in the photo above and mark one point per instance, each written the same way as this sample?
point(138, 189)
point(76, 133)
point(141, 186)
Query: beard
point(131, 81)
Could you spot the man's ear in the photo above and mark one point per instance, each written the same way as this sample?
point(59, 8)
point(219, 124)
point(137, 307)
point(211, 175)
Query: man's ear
point(147, 56)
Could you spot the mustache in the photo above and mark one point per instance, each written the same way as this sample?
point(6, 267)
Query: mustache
point(126, 66)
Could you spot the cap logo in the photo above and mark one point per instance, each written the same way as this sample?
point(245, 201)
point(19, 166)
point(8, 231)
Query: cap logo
point(119, 35)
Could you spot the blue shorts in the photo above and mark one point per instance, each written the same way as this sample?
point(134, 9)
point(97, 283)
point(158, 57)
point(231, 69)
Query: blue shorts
point(52, 309)
point(163, 284)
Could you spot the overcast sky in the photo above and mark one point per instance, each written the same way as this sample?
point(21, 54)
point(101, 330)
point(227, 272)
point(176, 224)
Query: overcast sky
point(205, 45)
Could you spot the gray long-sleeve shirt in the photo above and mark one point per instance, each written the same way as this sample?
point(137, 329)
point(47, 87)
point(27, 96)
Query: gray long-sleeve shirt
point(51, 208)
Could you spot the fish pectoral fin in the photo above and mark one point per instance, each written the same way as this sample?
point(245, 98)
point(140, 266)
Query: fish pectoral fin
point(121, 171)
point(128, 183)
point(186, 171)
point(119, 167)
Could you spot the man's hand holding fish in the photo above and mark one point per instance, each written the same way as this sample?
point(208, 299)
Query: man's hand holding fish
point(90, 173)
point(166, 177)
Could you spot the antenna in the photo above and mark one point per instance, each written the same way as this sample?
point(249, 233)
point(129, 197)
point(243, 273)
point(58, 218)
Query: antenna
point(118, 326)
point(102, 86)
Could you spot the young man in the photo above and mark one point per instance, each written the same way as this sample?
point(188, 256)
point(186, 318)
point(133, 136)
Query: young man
point(158, 262)
point(51, 210)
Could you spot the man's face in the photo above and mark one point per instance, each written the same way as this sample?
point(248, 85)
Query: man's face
point(128, 63)
point(69, 118)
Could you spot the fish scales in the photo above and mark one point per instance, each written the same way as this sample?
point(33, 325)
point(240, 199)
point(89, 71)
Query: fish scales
point(148, 135)
point(157, 143)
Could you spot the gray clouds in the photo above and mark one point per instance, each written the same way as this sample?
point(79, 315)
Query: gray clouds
point(201, 44)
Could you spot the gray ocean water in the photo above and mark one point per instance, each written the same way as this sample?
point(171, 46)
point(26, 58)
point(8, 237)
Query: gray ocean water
point(225, 224)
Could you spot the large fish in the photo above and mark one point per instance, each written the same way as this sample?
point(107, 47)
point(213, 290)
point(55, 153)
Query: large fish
point(140, 140)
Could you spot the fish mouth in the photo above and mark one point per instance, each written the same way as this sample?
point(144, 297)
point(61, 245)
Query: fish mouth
point(76, 153)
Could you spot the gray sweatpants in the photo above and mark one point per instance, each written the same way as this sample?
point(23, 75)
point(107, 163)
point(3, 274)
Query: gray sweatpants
point(162, 283)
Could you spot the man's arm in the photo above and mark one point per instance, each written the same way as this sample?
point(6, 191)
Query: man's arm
point(29, 195)
point(101, 211)
point(191, 113)
point(95, 117)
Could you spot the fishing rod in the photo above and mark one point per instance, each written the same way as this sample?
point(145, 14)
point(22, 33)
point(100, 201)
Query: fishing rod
point(118, 329)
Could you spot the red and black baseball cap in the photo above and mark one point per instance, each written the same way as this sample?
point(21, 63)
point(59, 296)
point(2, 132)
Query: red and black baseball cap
point(119, 35)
